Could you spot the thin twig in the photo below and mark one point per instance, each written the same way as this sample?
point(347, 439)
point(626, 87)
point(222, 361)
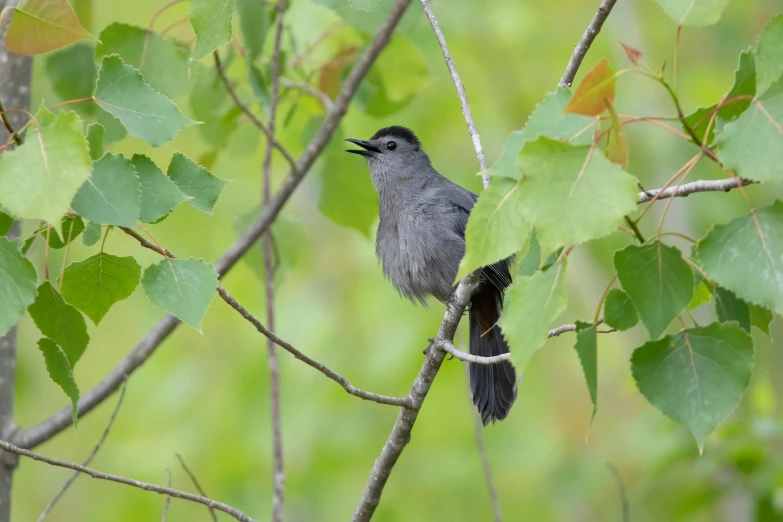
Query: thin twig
point(61, 420)
point(704, 185)
point(449, 347)
point(89, 458)
point(486, 465)
point(195, 483)
point(587, 40)
point(18, 139)
point(309, 89)
point(342, 381)
point(463, 97)
point(234, 512)
point(278, 474)
point(621, 492)
point(253, 118)
point(168, 498)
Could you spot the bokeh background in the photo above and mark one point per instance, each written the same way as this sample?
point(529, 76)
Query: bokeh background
point(206, 395)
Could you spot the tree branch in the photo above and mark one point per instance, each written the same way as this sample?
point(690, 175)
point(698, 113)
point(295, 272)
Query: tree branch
point(463, 96)
point(128, 481)
point(89, 458)
point(477, 359)
point(278, 476)
point(704, 185)
point(253, 118)
point(61, 420)
point(196, 484)
point(587, 40)
point(342, 381)
point(401, 432)
point(309, 89)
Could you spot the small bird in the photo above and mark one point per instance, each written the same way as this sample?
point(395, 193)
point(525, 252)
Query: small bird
point(420, 243)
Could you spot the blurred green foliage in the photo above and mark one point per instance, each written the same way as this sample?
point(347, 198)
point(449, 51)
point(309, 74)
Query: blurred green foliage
point(206, 396)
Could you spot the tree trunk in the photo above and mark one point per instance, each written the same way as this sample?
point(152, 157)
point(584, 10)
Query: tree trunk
point(15, 72)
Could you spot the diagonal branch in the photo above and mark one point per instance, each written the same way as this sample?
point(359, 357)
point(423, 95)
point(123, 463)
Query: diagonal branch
point(587, 40)
point(196, 483)
point(339, 379)
point(267, 130)
point(89, 458)
point(233, 303)
point(46, 429)
point(401, 432)
point(463, 96)
point(234, 512)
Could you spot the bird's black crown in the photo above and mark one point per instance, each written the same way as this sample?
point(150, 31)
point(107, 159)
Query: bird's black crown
point(399, 132)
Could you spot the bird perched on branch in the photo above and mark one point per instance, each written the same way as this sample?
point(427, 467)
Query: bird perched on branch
point(420, 243)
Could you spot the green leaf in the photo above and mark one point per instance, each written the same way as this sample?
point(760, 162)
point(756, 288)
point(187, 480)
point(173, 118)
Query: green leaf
point(195, 181)
point(254, 25)
point(547, 119)
point(182, 287)
point(143, 111)
point(60, 322)
point(39, 178)
point(6, 222)
point(162, 61)
point(595, 92)
point(112, 195)
point(61, 372)
point(531, 259)
point(744, 85)
point(92, 234)
point(496, 227)
point(693, 12)
point(402, 69)
point(746, 256)
point(72, 73)
point(71, 227)
point(697, 376)
point(95, 134)
point(658, 281)
point(769, 64)
point(587, 348)
point(752, 145)
point(701, 294)
point(18, 282)
point(760, 317)
point(573, 194)
point(211, 21)
point(531, 304)
point(95, 284)
point(344, 180)
point(159, 195)
point(40, 26)
point(731, 308)
point(210, 104)
point(619, 311)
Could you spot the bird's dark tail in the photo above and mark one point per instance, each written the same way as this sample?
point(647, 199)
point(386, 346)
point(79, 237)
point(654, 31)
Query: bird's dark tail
point(493, 386)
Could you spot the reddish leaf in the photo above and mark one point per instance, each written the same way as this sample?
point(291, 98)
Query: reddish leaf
point(40, 26)
point(330, 79)
point(634, 55)
point(617, 143)
point(594, 91)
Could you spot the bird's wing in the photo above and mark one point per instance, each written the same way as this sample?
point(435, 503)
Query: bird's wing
point(463, 200)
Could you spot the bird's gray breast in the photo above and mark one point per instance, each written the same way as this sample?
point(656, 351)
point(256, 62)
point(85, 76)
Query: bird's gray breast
point(420, 248)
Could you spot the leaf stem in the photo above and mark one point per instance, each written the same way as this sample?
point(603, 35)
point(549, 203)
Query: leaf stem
point(603, 298)
point(18, 139)
point(635, 229)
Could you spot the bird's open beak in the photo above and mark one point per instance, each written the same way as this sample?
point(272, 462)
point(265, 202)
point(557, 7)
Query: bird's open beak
point(369, 150)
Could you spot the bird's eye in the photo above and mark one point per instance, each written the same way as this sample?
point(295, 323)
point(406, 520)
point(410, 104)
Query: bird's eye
point(391, 145)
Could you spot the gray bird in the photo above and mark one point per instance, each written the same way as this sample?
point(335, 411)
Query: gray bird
point(420, 243)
